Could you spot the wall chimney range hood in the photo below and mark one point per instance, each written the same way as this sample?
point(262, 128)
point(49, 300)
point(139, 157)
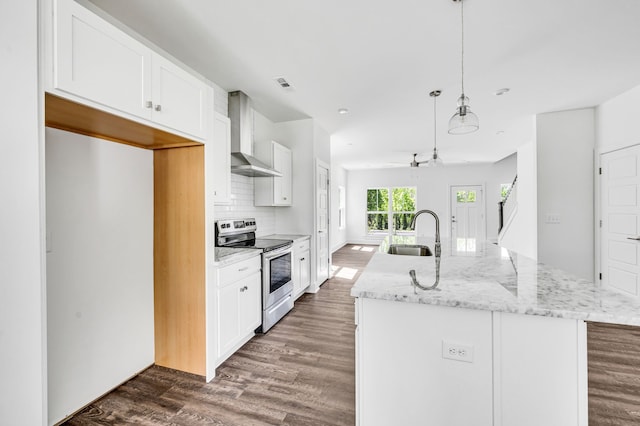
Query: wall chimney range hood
point(242, 160)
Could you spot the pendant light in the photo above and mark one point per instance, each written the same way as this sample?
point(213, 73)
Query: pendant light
point(463, 121)
point(435, 160)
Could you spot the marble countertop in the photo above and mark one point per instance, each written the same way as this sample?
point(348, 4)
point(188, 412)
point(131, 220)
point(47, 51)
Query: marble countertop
point(225, 256)
point(477, 275)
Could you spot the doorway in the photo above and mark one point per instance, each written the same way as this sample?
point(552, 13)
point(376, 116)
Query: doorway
point(322, 222)
point(620, 212)
point(467, 216)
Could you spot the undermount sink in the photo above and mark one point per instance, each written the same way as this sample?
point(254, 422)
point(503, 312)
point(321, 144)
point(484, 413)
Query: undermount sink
point(409, 250)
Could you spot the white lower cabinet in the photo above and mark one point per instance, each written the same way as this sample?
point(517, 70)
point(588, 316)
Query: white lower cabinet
point(239, 287)
point(419, 364)
point(402, 376)
point(301, 267)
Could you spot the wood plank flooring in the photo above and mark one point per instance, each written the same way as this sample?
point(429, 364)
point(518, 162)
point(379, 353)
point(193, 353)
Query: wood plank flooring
point(614, 374)
point(301, 373)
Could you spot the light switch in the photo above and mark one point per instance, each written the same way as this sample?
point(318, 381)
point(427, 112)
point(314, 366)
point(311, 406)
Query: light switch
point(552, 218)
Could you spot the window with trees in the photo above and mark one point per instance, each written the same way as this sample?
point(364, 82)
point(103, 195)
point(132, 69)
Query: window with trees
point(390, 210)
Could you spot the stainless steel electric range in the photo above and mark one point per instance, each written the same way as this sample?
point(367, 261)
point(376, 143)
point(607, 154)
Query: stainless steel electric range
point(277, 286)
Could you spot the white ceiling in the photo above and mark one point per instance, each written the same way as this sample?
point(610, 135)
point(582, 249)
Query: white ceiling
point(380, 59)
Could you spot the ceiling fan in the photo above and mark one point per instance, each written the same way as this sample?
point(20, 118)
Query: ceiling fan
point(416, 163)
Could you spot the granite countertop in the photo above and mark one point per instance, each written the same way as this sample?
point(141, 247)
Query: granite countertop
point(483, 276)
point(227, 255)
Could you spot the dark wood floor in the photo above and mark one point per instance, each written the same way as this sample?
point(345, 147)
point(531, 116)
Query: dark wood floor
point(614, 374)
point(301, 373)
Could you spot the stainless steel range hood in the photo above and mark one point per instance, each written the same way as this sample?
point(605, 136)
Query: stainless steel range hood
point(242, 160)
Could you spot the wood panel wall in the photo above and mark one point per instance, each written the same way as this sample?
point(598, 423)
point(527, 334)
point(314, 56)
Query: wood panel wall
point(614, 374)
point(179, 259)
point(71, 116)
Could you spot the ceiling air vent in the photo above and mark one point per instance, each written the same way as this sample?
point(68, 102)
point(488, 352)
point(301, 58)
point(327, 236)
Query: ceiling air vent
point(283, 83)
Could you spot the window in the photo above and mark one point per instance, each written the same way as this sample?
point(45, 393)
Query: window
point(342, 216)
point(504, 190)
point(397, 204)
point(466, 196)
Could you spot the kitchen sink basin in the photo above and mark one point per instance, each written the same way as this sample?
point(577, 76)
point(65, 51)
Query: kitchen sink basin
point(409, 250)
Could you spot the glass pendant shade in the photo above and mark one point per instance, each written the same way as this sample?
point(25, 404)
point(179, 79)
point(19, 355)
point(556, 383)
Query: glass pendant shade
point(463, 121)
point(435, 160)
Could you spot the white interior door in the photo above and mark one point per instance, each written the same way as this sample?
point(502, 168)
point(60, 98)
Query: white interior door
point(620, 209)
point(322, 223)
point(467, 216)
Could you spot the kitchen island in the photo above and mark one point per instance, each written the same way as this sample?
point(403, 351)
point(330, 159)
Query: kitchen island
point(500, 341)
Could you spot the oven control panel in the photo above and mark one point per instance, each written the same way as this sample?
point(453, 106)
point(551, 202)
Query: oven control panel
point(233, 226)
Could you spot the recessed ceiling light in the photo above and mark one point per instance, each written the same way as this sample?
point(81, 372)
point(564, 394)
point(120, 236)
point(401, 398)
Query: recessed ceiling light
point(343, 111)
point(502, 91)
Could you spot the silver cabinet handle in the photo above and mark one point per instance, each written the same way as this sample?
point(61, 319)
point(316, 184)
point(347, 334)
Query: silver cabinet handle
point(243, 269)
point(148, 104)
point(301, 259)
point(158, 107)
point(633, 238)
point(243, 289)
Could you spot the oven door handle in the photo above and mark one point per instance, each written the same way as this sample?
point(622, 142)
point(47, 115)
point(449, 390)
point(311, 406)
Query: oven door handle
point(275, 253)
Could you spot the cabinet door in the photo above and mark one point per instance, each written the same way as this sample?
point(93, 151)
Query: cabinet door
point(305, 270)
point(282, 185)
point(228, 324)
point(96, 61)
point(179, 98)
point(221, 159)
point(250, 313)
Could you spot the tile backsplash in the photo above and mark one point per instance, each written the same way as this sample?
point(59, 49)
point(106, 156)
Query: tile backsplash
point(242, 206)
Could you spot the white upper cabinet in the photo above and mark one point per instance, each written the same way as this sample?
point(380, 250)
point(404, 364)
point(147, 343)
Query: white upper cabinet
point(97, 62)
point(179, 99)
point(274, 191)
point(221, 159)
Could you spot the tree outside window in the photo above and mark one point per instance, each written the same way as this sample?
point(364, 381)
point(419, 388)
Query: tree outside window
point(399, 204)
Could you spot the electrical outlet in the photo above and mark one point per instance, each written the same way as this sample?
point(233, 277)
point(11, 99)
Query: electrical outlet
point(457, 351)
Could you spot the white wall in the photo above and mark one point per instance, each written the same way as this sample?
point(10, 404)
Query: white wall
point(338, 237)
point(22, 312)
point(433, 186)
point(616, 122)
point(99, 267)
point(522, 234)
point(565, 144)
point(298, 137)
point(308, 142)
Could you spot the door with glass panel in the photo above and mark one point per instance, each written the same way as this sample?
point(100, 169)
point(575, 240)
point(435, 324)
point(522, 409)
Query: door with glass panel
point(467, 217)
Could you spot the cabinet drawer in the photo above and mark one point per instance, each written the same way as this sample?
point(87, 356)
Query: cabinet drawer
point(300, 246)
point(237, 271)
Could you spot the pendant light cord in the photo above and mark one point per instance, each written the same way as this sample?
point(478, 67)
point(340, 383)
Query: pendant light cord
point(434, 122)
point(462, 41)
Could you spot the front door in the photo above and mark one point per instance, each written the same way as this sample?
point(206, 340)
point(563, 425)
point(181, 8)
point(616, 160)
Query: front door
point(620, 210)
point(322, 223)
point(467, 217)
